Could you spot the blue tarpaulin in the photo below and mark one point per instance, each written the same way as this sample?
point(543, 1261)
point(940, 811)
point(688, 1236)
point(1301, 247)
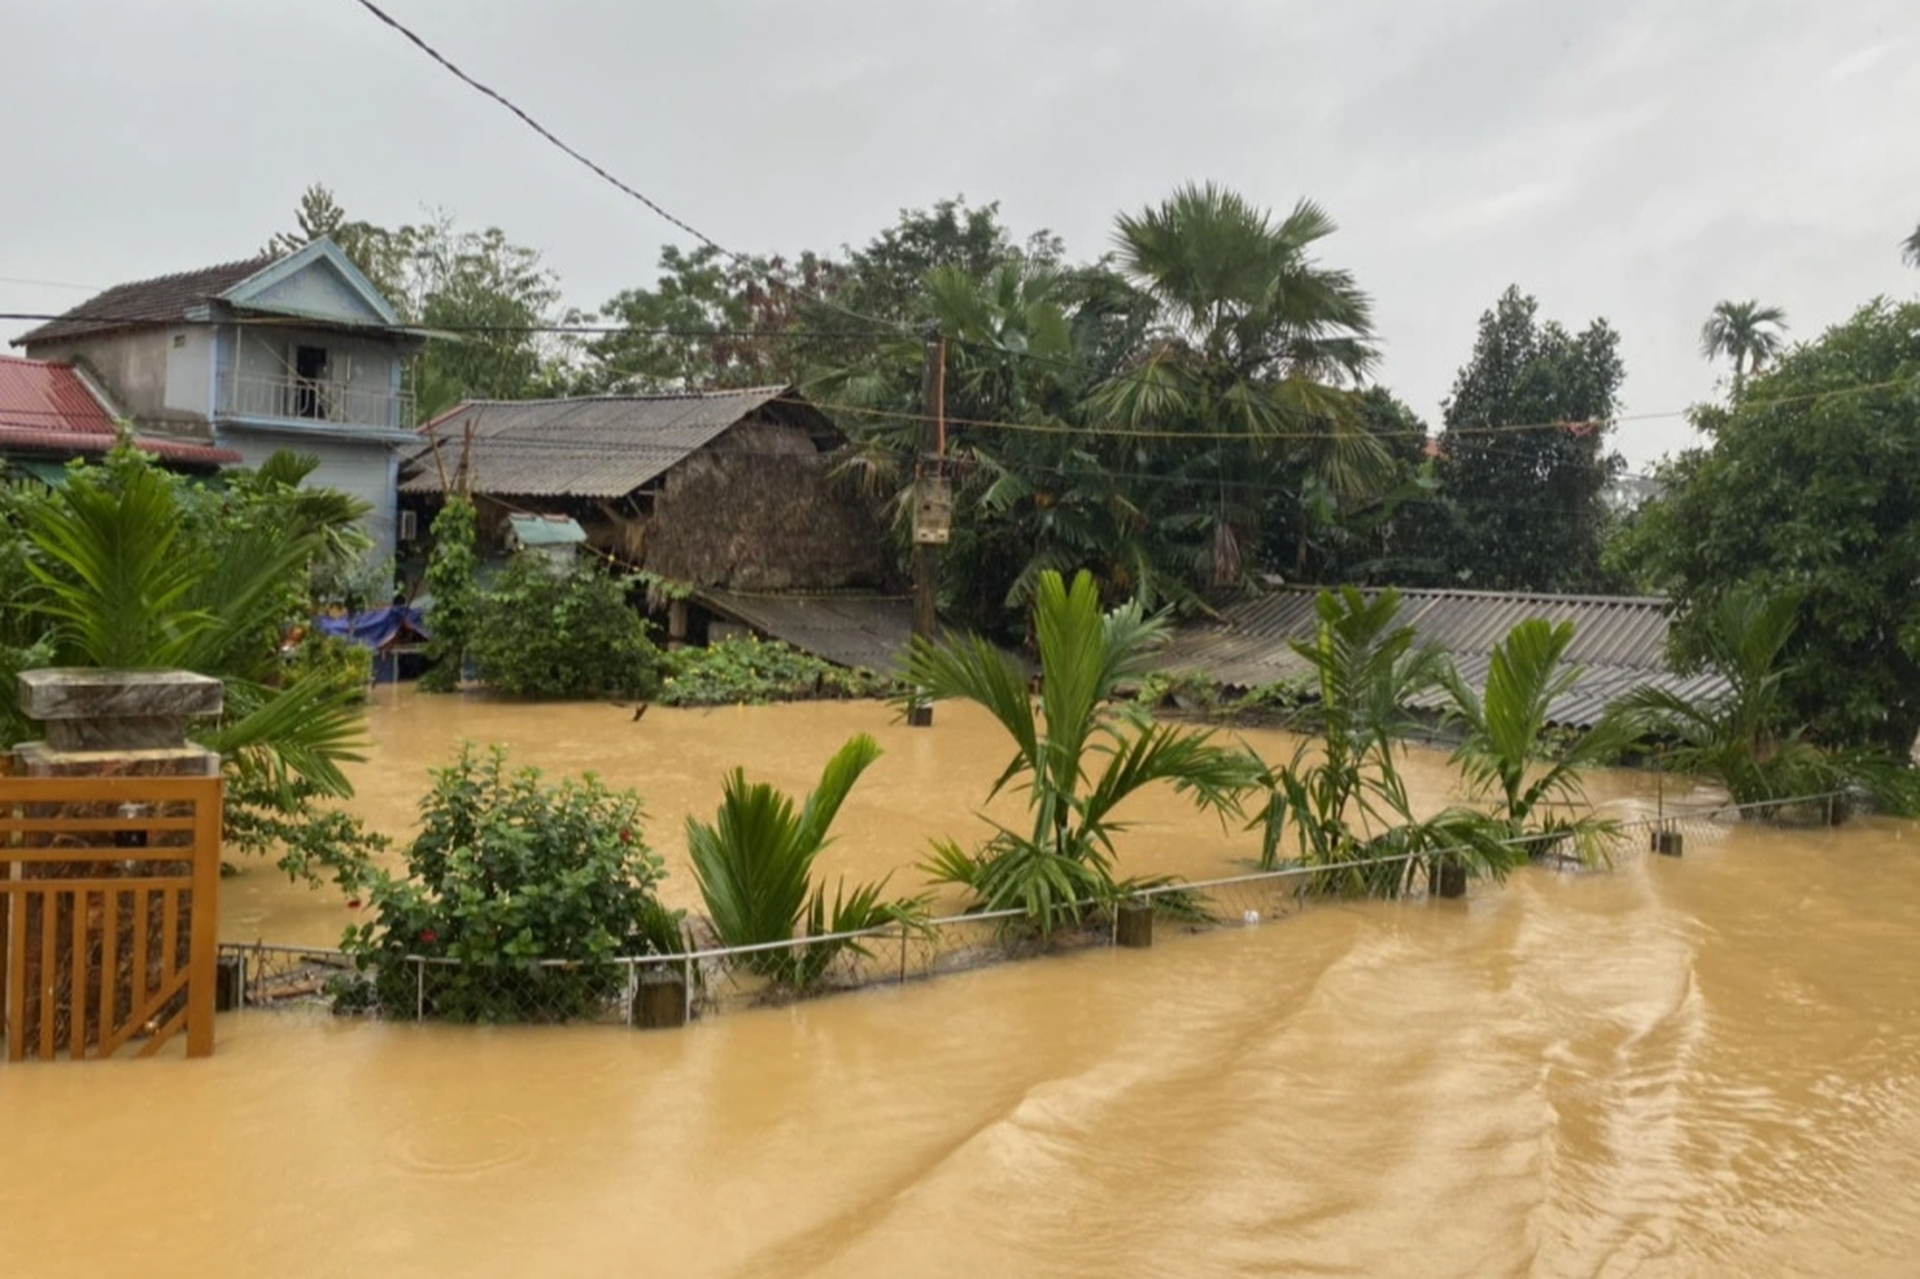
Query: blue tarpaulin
point(378, 628)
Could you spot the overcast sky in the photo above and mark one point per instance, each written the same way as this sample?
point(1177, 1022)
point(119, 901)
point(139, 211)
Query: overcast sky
point(1636, 160)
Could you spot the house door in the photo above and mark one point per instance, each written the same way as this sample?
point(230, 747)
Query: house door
point(309, 371)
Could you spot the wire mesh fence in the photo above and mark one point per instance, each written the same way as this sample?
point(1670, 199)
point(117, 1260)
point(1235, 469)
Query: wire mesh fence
point(663, 990)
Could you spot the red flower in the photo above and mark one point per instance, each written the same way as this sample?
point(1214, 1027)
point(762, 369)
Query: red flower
point(428, 937)
point(353, 903)
point(626, 834)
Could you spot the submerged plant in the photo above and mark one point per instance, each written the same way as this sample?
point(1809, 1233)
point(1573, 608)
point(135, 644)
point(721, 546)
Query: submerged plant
point(1341, 803)
point(1743, 738)
point(1077, 761)
point(1504, 753)
point(754, 865)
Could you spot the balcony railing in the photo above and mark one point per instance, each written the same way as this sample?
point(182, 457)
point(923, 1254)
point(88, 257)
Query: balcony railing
point(314, 400)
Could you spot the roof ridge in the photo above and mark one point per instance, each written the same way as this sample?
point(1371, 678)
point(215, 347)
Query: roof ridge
point(1471, 593)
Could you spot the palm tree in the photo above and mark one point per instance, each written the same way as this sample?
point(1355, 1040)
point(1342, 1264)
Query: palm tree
point(1342, 799)
point(754, 865)
point(1255, 338)
point(1504, 750)
point(1743, 738)
point(1746, 333)
point(1910, 248)
point(1076, 764)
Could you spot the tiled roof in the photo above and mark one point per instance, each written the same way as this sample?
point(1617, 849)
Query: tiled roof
point(593, 446)
point(163, 299)
point(49, 408)
point(1620, 641)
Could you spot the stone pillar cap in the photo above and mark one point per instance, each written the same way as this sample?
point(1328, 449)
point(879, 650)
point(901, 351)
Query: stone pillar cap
point(75, 692)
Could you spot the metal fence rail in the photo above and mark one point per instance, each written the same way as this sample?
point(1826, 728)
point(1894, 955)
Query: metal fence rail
point(672, 989)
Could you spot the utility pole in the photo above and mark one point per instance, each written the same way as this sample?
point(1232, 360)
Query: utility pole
point(929, 526)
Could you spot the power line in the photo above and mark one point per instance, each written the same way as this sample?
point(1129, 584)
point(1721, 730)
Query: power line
point(294, 321)
point(595, 168)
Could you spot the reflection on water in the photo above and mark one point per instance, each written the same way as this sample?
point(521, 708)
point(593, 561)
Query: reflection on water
point(1708, 1066)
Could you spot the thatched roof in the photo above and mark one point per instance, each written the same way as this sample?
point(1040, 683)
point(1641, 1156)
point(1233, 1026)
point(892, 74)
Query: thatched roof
point(1620, 641)
point(602, 446)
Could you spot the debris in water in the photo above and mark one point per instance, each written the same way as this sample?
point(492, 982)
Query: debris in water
point(1251, 917)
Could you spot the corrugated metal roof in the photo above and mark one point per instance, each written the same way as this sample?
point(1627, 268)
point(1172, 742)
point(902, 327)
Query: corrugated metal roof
point(847, 629)
point(592, 446)
point(49, 408)
point(1619, 641)
point(160, 300)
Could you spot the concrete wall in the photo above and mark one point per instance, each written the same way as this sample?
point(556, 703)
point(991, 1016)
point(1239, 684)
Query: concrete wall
point(368, 471)
point(317, 289)
point(159, 377)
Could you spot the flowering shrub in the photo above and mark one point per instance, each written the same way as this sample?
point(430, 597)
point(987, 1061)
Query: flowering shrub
point(746, 669)
point(504, 873)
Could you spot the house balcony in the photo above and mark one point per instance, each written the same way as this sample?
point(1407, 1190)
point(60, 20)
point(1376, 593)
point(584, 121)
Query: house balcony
point(321, 401)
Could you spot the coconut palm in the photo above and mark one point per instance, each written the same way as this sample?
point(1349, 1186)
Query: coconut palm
point(1341, 802)
point(1077, 762)
point(1255, 339)
point(1746, 333)
point(754, 865)
point(1910, 248)
point(1504, 751)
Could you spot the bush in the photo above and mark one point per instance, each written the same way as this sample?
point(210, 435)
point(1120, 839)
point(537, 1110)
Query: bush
point(506, 872)
point(546, 631)
point(746, 669)
point(342, 663)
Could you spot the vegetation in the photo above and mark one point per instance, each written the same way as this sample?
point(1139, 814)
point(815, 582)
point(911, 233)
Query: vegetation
point(1747, 334)
point(1746, 739)
point(453, 593)
point(1076, 762)
point(746, 669)
point(755, 869)
point(1526, 506)
point(1807, 489)
point(1341, 802)
point(127, 566)
point(506, 873)
point(1509, 751)
point(547, 630)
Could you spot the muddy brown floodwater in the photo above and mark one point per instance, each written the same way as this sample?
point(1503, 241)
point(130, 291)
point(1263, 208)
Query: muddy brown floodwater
point(1708, 1066)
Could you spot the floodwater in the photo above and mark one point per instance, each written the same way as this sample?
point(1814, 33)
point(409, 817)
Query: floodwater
point(1704, 1066)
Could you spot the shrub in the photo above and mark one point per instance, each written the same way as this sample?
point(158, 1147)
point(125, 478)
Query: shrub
point(746, 669)
point(340, 662)
point(547, 631)
point(506, 872)
point(450, 583)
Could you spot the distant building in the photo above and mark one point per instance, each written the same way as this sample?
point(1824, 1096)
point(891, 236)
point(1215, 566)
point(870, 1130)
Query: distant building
point(299, 352)
point(52, 413)
point(1619, 641)
point(726, 494)
point(1626, 492)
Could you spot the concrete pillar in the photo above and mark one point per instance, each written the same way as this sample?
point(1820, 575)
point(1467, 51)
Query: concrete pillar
point(114, 724)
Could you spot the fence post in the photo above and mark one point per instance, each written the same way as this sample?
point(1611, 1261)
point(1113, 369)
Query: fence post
point(903, 954)
point(419, 989)
point(632, 989)
point(686, 973)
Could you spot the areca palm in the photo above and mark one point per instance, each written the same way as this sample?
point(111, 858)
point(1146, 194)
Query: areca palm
point(1255, 340)
point(1742, 737)
point(1341, 802)
point(1746, 333)
point(1076, 764)
point(1504, 750)
point(754, 865)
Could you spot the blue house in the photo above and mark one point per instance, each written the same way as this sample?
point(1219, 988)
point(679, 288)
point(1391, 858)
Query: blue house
point(299, 352)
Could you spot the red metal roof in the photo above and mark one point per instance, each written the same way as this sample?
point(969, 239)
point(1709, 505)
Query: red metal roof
point(48, 408)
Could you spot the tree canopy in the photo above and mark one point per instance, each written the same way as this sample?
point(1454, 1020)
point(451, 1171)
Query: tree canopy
point(1811, 486)
point(1523, 461)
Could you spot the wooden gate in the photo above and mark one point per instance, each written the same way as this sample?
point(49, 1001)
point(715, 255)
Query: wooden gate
point(109, 901)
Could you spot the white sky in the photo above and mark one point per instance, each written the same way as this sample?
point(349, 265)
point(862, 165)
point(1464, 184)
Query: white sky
point(1637, 160)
